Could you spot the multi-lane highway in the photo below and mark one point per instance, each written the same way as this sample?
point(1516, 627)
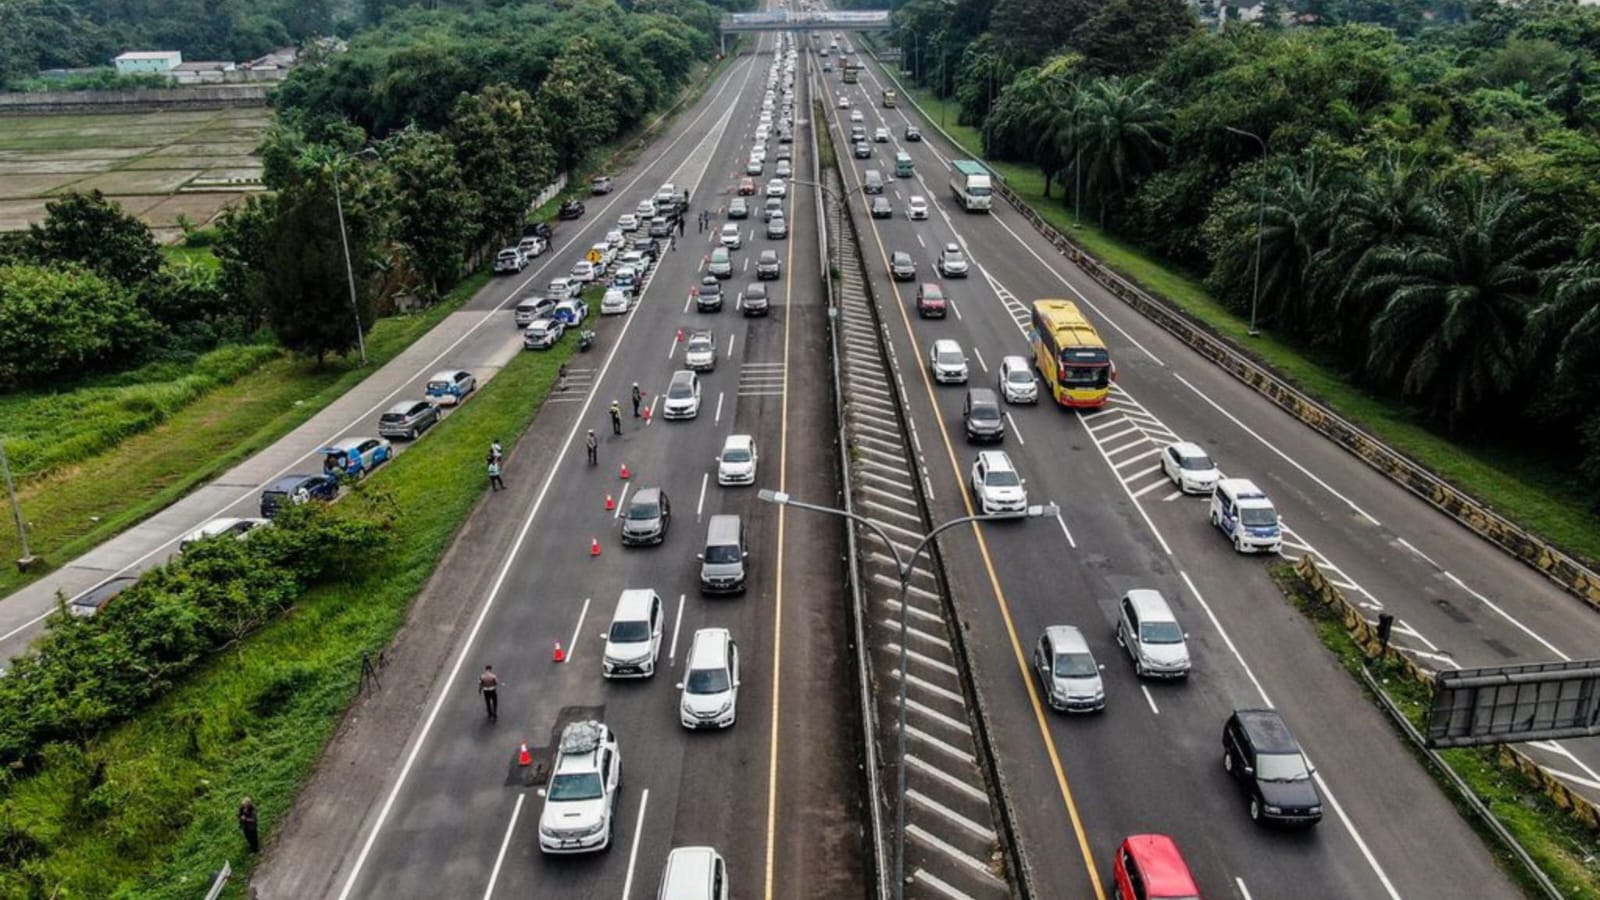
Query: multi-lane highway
point(776, 793)
point(1152, 761)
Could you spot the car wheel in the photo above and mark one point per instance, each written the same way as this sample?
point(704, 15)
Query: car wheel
point(1214, 523)
point(1238, 544)
point(1227, 762)
point(1255, 810)
point(1138, 668)
point(412, 434)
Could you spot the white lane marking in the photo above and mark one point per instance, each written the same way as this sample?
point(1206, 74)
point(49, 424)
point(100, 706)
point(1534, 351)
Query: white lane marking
point(1407, 544)
point(633, 855)
point(1327, 792)
point(687, 299)
point(1149, 699)
point(730, 337)
point(700, 507)
point(1063, 523)
point(1553, 747)
point(1243, 891)
point(718, 417)
point(922, 242)
point(672, 653)
point(1270, 446)
point(622, 499)
point(1150, 487)
point(951, 302)
point(1508, 617)
point(653, 400)
point(672, 346)
point(979, 354)
point(1172, 496)
point(1131, 499)
point(505, 842)
point(577, 632)
point(494, 592)
point(1015, 431)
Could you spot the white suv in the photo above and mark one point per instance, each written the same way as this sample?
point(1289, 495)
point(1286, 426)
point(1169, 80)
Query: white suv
point(948, 362)
point(1017, 383)
point(997, 485)
point(710, 688)
point(581, 800)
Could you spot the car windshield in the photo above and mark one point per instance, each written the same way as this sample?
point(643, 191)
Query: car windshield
point(1019, 375)
point(1281, 767)
point(707, 681)
point(1258, 516)
point(1200, 463)
point(984, 412)
point(680, 390)
point(1160, 633)
point(644, 509)
point(700, 345)
point(722, 554)
point(949, 358)
point(634, 632)
point(1002, 478)
point(1075, 665)
point(736, 454)
point(576, 786)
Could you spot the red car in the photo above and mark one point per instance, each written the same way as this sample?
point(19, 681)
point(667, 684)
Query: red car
point(930, 301)
point(747, 187)
point(1149, 867)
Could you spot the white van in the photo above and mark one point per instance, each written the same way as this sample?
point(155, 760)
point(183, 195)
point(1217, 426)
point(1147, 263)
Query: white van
point(694, 873)
point(710, 686)
point(633, 642)
point(1244, 514)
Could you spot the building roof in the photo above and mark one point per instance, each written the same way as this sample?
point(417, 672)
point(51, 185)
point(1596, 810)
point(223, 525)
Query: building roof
point(150, 54)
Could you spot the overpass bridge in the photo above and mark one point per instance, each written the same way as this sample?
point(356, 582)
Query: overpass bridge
point(810, 20)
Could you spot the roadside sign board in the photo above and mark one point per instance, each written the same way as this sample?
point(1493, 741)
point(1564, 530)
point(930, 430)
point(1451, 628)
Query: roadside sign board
point(594, 257)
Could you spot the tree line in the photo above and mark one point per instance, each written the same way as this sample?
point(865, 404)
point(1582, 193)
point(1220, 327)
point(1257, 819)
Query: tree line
point(1423, 192)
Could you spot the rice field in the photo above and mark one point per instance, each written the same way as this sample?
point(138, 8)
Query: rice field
point(156, 165)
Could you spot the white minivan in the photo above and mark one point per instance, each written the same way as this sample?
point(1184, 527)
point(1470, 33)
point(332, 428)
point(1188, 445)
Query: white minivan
point(710, 686)
point(1242, 512)
point(633, 642)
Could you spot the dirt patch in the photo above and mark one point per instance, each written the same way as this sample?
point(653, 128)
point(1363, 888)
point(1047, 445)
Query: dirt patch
point(67, 166)
point(220, 148)
point(124, 181)
point(190, 162)
point(16, 214)
point(199, 207)
point(17, 187)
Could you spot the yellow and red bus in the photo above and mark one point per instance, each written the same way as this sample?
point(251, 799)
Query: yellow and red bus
point(1070, 355)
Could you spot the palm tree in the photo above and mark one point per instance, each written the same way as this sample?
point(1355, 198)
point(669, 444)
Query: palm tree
point(1457, 304)
point(1054, 122)
point(1564, 329)
point(1123, 131)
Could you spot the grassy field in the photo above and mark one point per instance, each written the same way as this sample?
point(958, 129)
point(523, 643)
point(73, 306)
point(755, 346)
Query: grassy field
point(1567, 852)
point(1533, 491)
point(255, 722)
point(161, 166)
point(157, 439)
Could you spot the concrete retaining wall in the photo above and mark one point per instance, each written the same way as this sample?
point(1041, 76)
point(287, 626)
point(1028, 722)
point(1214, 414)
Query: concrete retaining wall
point(197, 97)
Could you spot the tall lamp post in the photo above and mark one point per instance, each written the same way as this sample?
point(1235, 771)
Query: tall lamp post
point(1261, 212)
point(344, 241)
point(904, 567)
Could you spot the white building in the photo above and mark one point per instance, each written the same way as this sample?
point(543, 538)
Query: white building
point(148, 62)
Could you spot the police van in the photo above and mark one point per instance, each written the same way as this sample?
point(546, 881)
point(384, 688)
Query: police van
point(1244, 514)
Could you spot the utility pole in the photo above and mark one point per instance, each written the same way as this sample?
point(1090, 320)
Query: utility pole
point(26, 559)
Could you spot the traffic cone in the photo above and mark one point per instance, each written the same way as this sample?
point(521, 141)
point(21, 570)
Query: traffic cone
point(594, 547)
point(647, 415)
point(625, 473)
point(524, 758)
point(610, 503)
point(680, 335)
point(560, 654)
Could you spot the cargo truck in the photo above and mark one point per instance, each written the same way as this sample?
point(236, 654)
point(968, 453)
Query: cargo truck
point(971, 184)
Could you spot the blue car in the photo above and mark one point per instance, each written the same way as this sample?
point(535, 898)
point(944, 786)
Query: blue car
point(355, 457)
point(296, 489)
point(451, 386)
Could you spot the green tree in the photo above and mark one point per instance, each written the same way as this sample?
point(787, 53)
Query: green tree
point(579, 99)
point(1122, 130)
point(434, 210)
point(502, 154)
point(1031, 30)
point(64, 322)
point(91, 230)
point(1451, 330)
point(1128, 36)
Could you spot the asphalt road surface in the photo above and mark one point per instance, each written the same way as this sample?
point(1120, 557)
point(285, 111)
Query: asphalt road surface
point(1152, 761)
point(776, 793)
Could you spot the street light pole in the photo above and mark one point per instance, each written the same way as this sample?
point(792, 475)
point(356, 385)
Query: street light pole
point(1261, 212)
point(26, 559)
point(904, 568)
point(349, 269)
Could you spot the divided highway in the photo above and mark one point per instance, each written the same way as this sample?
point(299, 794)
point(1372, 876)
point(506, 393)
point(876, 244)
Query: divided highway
point(1152, 761)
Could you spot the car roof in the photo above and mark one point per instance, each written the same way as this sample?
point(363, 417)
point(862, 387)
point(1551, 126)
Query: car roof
point(980, 395)
point(688, 873)
point(290, 482)
point(634, 603)
point(995, 459)
point(709, 649)
point(349, 443)
point(1013, 361)
point(1066, 639)
point(1188, 448)
point(899, 254)
point(943, 344)
point(1244, 491)
point(738, 440)
point(105, 590)
point(1165, 873)
point(541, 322)
point(951, 248)
point(647, 495)
point(446, 375)
point(405, 406)
point(1267, 730)
point(769, 254)
point(1149, 603)
point(932, 287)
point(682, 375)
point(700, 335)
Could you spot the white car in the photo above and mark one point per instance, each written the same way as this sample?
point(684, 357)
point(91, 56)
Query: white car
point(1017, 383)
point(710, 686)
point(844, 102)
point(628, 222)
point(952, 263)
point(614, 303)
point(645, 210)
point(1190, 468)
point(562, 289)
point(616, 239)
point(234, 527)
point(700, 353)
point(580, 801)
point(730, 236)
point(509, 260)
point(880, 136)
point(777, 187)
point(626, 279)
point(754, 166)
point(542, 334)
point(682, 400)
point(736, 464)
point(856, 116)
point(571, 313)
point(997, 485)
point(917, 208)
point(948, 362)
point(583, 271)
point(532, 246)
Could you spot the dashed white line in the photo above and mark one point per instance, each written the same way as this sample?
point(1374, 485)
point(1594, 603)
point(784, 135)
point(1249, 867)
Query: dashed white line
point(572, 648)
point(1243, 891)
point(672, 652)
point(1145, 689)
point(633, 855)
point(979, 354)
point(505, 843)
point(1508, 617)
point(1407, 544)
point(718, 417)
point(621, 501)
point(700, 508)
point(1064, 530)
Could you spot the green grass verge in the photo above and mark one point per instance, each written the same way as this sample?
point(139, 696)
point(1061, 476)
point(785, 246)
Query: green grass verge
point(255, 721)
point(154, 454)
point(1532, 490)
point(1567, 852)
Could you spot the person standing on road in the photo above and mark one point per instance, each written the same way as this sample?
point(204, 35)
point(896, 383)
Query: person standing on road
point(494, 475)
point(247, 825)
point(616, 417)
point(637, 396)
point(592, 444)
point(681, 226)
point(672, 242)
point(489, 687)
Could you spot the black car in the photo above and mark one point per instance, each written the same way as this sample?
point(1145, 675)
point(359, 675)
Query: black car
point(647, 246)
point(292, 489)
point(912, 134)
point(881, 208)
point(571, 209)
point(649, 514)
point(537, 229)
point(754, 300)
point(709, 298)
point(1262, 755)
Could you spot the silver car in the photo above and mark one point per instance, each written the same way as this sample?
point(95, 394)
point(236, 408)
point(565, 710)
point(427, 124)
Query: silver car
point(683, 396)
point(1068, 673)
point(408, 419)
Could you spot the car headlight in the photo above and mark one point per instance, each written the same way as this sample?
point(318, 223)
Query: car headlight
point(1316, 810)
point(1272, 809)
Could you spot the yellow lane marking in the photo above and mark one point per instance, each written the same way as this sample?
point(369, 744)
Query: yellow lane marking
point(994, 582)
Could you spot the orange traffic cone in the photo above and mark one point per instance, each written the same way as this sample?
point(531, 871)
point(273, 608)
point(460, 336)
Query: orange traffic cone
point(560, 654)
point(610, 503)
point(594, 547)
point(680, 335)
point(624, 472)
point(524, 758)
point(647, 415)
